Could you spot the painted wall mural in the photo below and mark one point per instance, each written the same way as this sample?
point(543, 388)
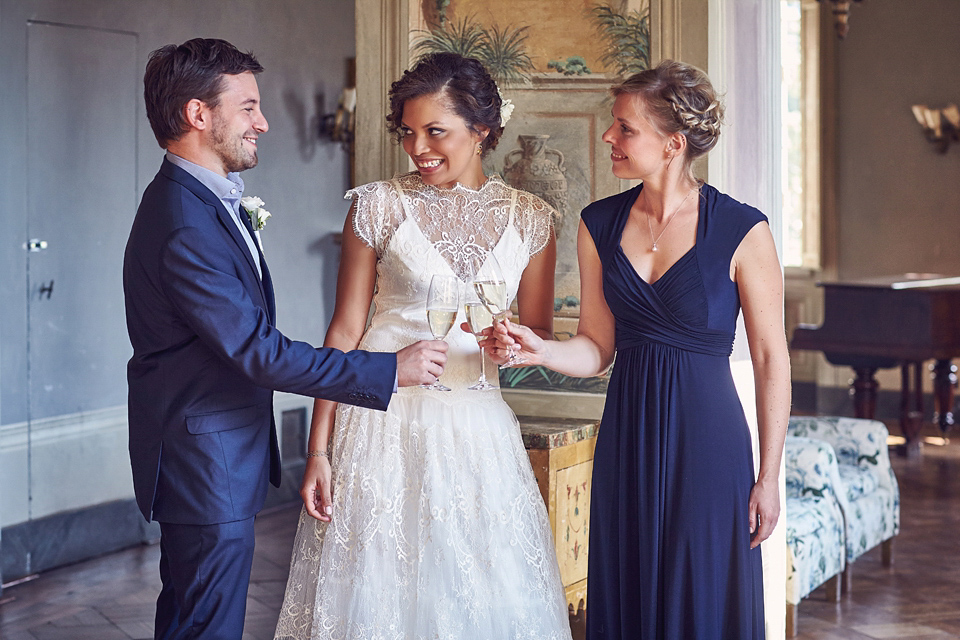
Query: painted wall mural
point(570, 37)
point(557, 69)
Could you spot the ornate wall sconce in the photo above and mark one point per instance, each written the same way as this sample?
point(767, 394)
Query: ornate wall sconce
point(339, 126)
point(940, 126)
point(841, 14)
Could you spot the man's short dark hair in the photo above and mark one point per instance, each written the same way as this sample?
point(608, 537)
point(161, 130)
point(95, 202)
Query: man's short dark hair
point(176, 75)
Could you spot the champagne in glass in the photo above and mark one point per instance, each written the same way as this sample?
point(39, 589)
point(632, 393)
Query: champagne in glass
point(440, 321)
point(493, 295)
point(491, 288)
point(443, 301)
point(479, 318)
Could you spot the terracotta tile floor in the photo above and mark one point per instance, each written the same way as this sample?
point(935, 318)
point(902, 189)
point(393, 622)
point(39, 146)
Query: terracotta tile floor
point(918, 598)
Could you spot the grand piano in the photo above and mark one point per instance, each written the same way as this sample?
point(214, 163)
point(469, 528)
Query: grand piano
point(878, 323)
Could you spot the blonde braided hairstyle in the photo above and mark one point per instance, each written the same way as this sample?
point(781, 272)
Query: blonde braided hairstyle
point(678, 98)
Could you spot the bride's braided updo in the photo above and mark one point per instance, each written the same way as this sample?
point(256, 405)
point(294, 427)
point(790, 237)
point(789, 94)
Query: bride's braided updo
point(464, 82)
point(678, 98)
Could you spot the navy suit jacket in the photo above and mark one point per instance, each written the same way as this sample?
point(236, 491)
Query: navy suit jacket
point(207, 357)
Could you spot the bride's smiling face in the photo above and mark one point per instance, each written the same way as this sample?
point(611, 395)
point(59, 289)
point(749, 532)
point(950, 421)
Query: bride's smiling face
point(440, 143)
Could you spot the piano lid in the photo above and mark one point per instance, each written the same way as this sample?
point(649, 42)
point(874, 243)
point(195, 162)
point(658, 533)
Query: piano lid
point(907, 317)
point(900, 281)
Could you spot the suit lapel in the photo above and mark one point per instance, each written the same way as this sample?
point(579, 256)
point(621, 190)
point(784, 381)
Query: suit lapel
point(268, 288)
point(266, 283)
point(226, 219)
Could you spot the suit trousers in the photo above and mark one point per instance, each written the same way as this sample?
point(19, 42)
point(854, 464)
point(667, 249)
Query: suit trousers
point(205, 571)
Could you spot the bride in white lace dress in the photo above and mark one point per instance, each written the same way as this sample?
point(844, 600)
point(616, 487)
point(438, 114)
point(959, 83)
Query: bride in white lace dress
point(425, 522)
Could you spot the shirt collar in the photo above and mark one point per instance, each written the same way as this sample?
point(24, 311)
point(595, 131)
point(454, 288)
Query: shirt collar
point(229, 188)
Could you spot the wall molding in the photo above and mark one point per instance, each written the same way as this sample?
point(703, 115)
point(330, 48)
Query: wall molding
point(680, 31)
point(39, 544)
point(69, 426)
point(382, 32)
point(17, 435)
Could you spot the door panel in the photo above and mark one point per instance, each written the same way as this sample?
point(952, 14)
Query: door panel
point(81, 165)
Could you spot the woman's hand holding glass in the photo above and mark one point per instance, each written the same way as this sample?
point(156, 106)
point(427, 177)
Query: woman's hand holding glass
point(518, 341)
point(443, 304)
point(491, 289)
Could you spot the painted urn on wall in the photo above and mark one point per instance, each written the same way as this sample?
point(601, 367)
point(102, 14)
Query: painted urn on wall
point(532, 169)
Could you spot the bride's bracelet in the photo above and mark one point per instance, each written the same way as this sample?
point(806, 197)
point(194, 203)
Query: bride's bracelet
point(317, 453)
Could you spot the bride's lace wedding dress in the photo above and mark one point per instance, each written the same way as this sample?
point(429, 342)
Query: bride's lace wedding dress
point(439, 530)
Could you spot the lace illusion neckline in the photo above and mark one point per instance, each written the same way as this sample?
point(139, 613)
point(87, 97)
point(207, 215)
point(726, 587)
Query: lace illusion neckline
point(458, 186)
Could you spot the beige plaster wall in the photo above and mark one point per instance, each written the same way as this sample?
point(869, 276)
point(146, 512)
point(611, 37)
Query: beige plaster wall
point(898, 202)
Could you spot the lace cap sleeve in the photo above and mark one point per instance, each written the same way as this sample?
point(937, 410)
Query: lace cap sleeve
point(377, 212)
point(534, 219)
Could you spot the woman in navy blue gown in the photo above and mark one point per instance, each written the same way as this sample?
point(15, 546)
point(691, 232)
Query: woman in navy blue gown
point(677, 515)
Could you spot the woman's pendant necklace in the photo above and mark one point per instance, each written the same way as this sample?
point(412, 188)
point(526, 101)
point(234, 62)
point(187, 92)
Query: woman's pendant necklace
point(650, 226)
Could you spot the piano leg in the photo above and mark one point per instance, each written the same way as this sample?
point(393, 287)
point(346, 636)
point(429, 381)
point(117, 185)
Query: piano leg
point(911, 418)
point(944, 381)
point(865, 392)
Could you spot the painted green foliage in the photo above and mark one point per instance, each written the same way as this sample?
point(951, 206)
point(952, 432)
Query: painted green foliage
point(572, 66)
point(627, 36)
point(502, 51)
point(544, 379)
point(569, 301)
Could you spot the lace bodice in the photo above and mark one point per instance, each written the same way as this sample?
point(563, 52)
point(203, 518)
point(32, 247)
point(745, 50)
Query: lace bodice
point(418, 230)
point(459, 222)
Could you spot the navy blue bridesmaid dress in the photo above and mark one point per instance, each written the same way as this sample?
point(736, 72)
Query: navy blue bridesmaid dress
point(670, 553)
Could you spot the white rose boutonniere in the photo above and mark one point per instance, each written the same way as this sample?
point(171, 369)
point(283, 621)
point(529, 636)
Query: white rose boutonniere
point(254, 208)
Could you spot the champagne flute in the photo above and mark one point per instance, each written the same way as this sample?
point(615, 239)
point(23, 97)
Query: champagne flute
point(479, 318)
point(443, 302)
point(491, 288)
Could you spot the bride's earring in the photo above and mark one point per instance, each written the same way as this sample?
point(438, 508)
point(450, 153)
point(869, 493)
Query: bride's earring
point(479, 148)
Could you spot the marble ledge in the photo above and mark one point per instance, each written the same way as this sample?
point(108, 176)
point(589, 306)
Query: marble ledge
point(551, 433)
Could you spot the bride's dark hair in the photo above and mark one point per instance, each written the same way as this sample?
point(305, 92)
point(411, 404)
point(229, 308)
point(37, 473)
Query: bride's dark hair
point(464, 82)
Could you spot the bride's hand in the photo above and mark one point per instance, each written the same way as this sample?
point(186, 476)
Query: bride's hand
point(510, 336)
point(488, 342)
point(315, 490)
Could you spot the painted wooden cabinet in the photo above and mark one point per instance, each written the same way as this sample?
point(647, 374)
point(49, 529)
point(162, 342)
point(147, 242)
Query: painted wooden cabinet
point(561, 452)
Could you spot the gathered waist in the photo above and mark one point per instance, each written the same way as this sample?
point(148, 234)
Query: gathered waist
point(721, 346)
point(637, 331)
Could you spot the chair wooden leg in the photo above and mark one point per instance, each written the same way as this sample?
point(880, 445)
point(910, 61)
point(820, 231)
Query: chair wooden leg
point(833, 589)
point(846, 580)
point(578, 621)
point(792, 620)
point(886, 551)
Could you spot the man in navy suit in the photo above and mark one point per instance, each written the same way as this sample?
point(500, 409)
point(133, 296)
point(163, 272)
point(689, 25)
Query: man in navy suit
point(206, 354)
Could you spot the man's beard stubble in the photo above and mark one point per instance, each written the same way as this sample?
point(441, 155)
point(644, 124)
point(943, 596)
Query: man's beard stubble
point(235, 158)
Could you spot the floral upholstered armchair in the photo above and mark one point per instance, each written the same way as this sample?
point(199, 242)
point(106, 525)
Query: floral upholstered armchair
point(870, 495)
point(815, 532)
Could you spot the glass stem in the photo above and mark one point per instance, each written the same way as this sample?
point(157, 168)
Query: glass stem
point(483, 372)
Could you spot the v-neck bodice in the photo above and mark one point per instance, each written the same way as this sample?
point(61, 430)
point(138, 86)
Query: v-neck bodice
point(693, 305)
